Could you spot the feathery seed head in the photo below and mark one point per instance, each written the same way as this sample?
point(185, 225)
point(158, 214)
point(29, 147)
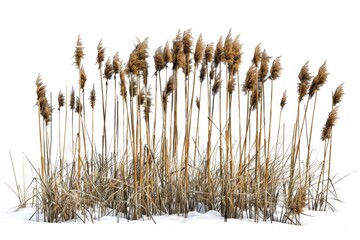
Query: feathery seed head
point(219, 53)
point(264, 66)
point(116, 63)
point(319, 80)
point(330, 123)
point(257, 56)
point(338, 95)
point(167, 53)
point(109, 70)
point(237, 54)
point(283, 100)
point(78, 106)
point(209, 52)
point(199, 50)
point(92, 97)
point(228, 49)
point(61, 100)
point(79, 52)
point(187, 41)
point(217, 84)
point(159, 60)
point(101, 54)
point(83, 78)
point(250, 79)
point(72, 99)
point(276, 68)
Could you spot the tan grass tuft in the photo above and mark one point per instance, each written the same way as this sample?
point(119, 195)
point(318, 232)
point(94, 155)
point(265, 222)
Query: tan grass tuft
point(237, 54)
point(187, 41)
point(197, 101)
point(212, 71)
point(167, 53)
point(264, 66)
point(100, 54)
point(250, 79)
point(61, 100)
point(116, 63)
point(133, 87)
point(219, 52)
point(228, 49)
point(92, 97)
point(283, 100)
point(304, 77)
point(257, 55)
point(319, 80)
point(203, 71)
point(72, 99)
point(83, 78)
point(217, 84)
point(40, 88)
point(159, 60)
point(78, 106)
point(209, 52)
point(123, 91)
point(199, 50)
point(79, 52)
point(276, 69)
point(338, 95)
point(178, 59)
point(109, 70)
point(330, 123)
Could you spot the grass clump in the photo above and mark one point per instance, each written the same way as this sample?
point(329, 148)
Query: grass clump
point(152, 157)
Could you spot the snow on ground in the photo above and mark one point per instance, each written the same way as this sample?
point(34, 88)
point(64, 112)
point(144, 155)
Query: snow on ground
point(324, 225)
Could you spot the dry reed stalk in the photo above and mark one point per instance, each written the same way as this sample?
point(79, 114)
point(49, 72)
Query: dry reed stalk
point(275, 72)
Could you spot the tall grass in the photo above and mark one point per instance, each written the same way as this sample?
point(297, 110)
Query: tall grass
point(154, 160)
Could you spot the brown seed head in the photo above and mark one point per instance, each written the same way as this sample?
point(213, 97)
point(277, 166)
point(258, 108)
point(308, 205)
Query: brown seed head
point(237, 54)
point(250, 80)
point(199, 50)
point(330, 123)
point(304, 75)
point(133, 87)
point(159, 60)
point(109, 70)
point(228, 50)
point(203, 71)
point(338, 95)
point(78, 106)
point(178, 57)
point(40, 87)
point(141, 96)
point(319, 80)
point(147, 105)
point(72, 99)
point(123, 91)
point(187, 41)
point(217, 84)
point(209, 52)
point(197, 101)
point(79, 52)
point(219, 53)
point(92, 97)
point(101, 54)
point(283, 100)
point(83, 78)
point(257, 56)
point(230, 85)
point(264, 66)
point(46, 110)
point(61, 100)
point(212, 71)
point(276, 68)
point(167, 53)
point(116, 63)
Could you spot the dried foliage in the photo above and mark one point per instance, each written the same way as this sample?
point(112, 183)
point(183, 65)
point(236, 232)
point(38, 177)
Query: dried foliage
point(143, 173)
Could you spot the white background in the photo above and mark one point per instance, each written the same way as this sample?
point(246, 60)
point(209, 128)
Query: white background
point(39, 36)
